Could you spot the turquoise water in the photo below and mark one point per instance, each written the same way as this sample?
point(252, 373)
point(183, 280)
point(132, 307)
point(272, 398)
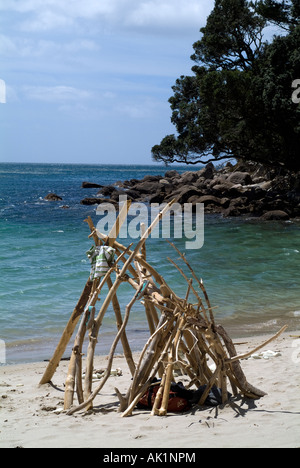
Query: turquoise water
point(250, 269)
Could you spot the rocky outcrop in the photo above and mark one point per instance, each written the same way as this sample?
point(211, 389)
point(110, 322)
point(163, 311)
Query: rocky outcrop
point(275, 215)
point(238, 190)
point(87, 185)
point(52, 197)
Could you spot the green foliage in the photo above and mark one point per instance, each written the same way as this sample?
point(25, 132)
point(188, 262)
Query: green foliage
point(238, 102)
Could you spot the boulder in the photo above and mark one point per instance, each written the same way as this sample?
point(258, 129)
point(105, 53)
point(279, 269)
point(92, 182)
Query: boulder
point(147, 187)
point(210, 200)
point(87, 185)
point(188, 178)
point(237, 207)
point(236, 191)
point(52, 197)
point(152, 178)
point(207, 172)
point(185, 193)
point(107, 191)
point(275, 215)
point(92, 201)
point(171, 174)
point(158, 197)
point(243, 178)
point(132, 194)
point(130, 183)
point(98, 201)
point(118, 193)
point(164, 182)
point(222, 187)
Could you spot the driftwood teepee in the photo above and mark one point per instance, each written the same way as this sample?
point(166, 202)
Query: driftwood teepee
point(183, 334)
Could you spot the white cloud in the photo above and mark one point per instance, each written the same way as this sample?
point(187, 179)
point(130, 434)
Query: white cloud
point(7, 46)
point(30, 47)
point(46, 21)
point(56, 94)
point(2, 92)
point(175, 14)
point(155, 15)
point(139, 107)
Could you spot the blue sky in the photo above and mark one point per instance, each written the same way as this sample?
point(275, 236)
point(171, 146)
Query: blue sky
point(88, 81)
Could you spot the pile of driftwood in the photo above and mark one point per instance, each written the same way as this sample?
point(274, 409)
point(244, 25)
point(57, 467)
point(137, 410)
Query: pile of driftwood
point(184, 338)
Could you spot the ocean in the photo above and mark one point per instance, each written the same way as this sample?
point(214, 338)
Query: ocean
point(250, 269)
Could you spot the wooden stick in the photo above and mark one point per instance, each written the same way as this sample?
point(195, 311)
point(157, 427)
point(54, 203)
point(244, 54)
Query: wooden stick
point(209, 386)
point(263, 345)
point(108, 299)
point(182, 256)
point(167, 385)
point(157, 277)
point(239, 377)
point(75, 364)
point(159, 396)
point(97, 324)
point(67, 334)
point(110, 358)
point(143, 366)
point(124, 339)
point(148, 382)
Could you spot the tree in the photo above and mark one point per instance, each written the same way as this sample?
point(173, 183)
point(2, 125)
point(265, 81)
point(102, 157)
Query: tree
point(238, 101)
point(284, 13)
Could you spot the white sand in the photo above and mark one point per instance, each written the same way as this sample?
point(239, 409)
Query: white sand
point(27, 418)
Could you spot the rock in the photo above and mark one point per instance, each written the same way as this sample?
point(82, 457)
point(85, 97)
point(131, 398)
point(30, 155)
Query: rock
point(107, 191)
point(249, 190)
point(130, 183)
point(223, 187)
point(133, 194)
point(119, 184)
point(98, 201)
point(152, 178)
point(52, 197)
point(237, 207)
point(188, 178)
point(158, 197)
point(164, 182)
point(118, 193)
point(185, 193)
point(171, 174)
point(86, 185)
point(243, 178)
point(275, 215)
point(146, 187)
point(91, 201)
point(236, 191)
point(231, 211)
point(210, 199)
point(207, 172)
point(48, 409)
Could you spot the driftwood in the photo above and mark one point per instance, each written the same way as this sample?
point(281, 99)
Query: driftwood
point(183, 334)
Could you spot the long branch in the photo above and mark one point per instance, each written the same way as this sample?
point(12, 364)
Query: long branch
point(111, 355)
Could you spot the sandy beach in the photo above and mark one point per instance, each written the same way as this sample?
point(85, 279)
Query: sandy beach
point(31, 416)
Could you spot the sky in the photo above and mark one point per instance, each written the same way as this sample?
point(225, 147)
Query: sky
point(88, 81)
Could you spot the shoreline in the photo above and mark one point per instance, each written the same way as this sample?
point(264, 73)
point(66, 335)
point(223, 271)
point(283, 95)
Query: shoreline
point(41, 351)
point(31, 416)
point(246, 189)
point(30, 353)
